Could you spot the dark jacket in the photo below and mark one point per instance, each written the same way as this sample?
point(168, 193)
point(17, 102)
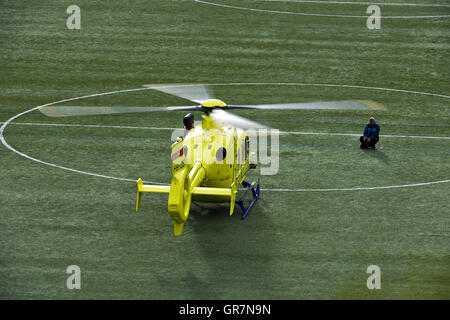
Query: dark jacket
point(372, 132)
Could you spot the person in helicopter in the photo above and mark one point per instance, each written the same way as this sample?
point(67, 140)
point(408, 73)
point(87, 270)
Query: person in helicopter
point(188, 121)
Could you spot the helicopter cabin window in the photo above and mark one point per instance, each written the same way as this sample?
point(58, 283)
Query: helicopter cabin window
point(221, 154)
point(245, 149)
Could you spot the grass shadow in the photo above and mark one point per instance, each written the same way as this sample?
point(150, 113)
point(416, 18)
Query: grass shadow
point(238, 254)
point(377, 154)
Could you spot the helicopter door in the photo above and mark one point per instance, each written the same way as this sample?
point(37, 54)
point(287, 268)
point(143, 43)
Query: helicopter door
point(236, 159)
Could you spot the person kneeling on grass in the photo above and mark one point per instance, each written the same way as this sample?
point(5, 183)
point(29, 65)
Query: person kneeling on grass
point(371, 135)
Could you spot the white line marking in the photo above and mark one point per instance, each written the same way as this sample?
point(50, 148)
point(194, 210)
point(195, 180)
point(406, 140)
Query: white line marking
point(329, 85)
point(7, 122)
point(360, 188)
point(400, 4)
point(167, 128)
point(88, 126)
point(313, 14)
point(357, 135)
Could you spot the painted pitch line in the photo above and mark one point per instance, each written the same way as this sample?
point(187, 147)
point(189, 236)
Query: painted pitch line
point(89, 137)
point(8, 146)
point(358, 135)
point(352, 123)
point(168, 128)
point(364, 3)
point(331, 85)
point(88, 126)
point(359, 188)
point(312, 14)
point(357, 147)
point(267, 120)
point(167, 139)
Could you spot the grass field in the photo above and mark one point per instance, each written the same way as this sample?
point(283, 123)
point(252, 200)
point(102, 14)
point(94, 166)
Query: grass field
point(295, 244)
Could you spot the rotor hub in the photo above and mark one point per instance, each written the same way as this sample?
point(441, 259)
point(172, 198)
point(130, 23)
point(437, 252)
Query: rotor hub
point(213, 103)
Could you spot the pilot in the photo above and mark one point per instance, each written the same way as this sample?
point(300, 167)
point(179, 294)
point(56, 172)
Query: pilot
point(188, 121)
point(371, 135)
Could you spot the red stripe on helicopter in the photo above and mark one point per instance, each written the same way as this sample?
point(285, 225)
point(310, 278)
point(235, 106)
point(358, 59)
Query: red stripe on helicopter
point(177, 154)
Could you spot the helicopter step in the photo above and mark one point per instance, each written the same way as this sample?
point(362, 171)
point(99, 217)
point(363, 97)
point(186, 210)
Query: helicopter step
point(255, 193)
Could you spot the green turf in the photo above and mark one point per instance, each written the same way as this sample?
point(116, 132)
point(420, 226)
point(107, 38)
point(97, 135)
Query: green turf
point(294, 245)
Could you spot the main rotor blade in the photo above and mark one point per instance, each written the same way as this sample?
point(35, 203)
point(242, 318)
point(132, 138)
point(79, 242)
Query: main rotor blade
point(193, 92)
point(321, 105)
point(68, 111)
point(222, 116)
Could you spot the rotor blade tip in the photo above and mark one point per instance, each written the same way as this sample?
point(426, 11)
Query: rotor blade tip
point(373, 105)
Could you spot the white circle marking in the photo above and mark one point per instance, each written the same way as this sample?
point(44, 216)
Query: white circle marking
point(7, 122)
point(316, 14)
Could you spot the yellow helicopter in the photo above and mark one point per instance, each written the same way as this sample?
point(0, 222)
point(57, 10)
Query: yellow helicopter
point(208, 165)
point(211, 160)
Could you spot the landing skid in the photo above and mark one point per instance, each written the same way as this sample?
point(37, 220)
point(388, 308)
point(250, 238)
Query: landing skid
point(255, 192)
